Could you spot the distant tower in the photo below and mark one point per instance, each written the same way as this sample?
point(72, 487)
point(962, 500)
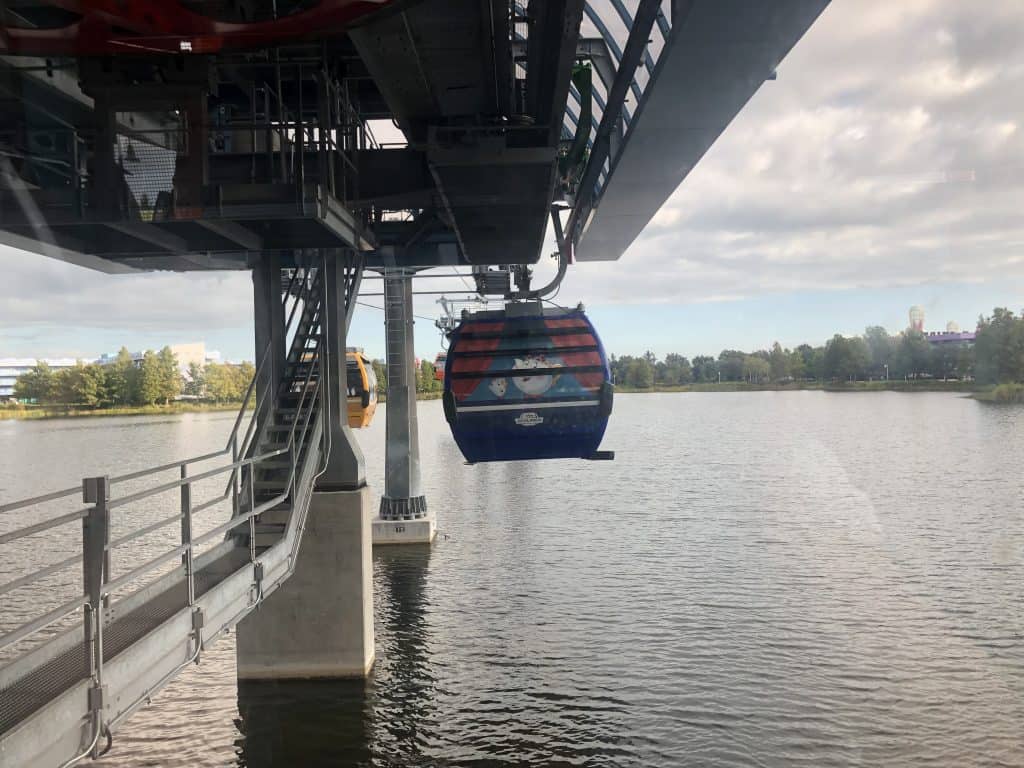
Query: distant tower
point(952, 327)
point(917, 318)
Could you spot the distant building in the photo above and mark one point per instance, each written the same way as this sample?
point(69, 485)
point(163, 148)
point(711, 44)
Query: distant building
point(965, 338)
point(12, 367)
point(917, 318)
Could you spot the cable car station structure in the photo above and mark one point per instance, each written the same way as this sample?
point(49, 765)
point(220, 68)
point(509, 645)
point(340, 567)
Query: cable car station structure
point(193, 135)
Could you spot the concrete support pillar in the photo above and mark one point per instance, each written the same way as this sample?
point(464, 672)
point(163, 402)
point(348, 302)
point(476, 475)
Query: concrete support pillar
point(403, 508)
point(319, 623)
point(346, 469)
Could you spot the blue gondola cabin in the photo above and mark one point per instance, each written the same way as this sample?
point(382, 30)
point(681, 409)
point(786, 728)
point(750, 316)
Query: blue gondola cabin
point(527, 382)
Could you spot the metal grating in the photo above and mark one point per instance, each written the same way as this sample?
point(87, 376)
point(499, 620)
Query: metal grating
point(36, 689)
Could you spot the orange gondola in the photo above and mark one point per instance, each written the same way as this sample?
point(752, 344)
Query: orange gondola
point(362, 388)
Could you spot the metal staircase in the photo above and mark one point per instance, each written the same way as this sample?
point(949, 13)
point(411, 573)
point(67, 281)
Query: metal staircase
point(288, 424)
point(69, 676)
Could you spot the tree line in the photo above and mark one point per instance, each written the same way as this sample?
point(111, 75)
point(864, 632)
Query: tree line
point(154, 379)
point(997, 356)
point(426, 377)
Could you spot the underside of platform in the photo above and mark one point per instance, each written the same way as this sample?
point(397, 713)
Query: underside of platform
point(583, 113)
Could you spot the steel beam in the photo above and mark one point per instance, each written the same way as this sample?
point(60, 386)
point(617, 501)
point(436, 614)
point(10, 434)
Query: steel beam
point(636, 45)
point(269, 322)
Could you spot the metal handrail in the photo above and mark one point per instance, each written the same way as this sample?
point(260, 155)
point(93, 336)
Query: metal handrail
point(192, 460)
point(39, 499)
point(30, 628)
point(293, 446)
point(45, 525)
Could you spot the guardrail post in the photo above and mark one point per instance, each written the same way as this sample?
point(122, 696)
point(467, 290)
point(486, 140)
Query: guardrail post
point(95, 566)
point(186, 534)
point(252, 517)
point(234, 472)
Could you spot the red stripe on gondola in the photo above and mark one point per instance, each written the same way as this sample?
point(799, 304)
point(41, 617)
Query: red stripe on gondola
point(572, 359)
point(591, 381)
point(573, 340)
point(462, 388)
point(566, 322)
point(478, 345)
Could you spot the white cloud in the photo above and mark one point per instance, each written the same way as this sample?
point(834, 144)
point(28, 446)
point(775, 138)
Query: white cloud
point(886, 154)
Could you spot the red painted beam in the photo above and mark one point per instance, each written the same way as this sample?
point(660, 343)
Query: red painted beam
point(165, 26)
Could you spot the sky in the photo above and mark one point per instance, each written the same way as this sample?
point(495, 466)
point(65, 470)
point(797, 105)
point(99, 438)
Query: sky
point(883, 168)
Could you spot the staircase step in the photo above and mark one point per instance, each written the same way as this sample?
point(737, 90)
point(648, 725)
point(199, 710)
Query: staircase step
point(275, 463)
point(267, 534)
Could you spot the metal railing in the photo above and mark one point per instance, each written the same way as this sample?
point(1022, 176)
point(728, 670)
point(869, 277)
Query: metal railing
point(246, 456)
point(144, 175)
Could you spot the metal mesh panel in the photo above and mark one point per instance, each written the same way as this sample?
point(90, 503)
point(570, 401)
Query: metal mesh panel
point(148, 167)
point(42, 685)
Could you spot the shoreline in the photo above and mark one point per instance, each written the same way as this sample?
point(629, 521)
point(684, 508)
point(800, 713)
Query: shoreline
point(861, 386)
point(39, 412)
point(36, 412)
point(1001, 394)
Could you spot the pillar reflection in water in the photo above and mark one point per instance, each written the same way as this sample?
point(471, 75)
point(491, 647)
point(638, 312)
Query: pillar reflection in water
point(303, 722)
point(404, 704)
point(334, 722)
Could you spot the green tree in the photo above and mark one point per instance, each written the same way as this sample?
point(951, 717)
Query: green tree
point(245, 372)
point(779, 362)
point(965, 362)
point(817, 365)
point(755, 369)
point(913, 355)
point(425, 379)
point(730, 364)
point(169, 375)
point(943, 359)
point(122, 379)
point(880, 349)
point(705, 369)
point(673, 371)
point(999, 347)
point(82, 384)
point(150, 389)
point(620, 367)
point(221, 383)
point(37, 384)
point(195, 381)
point(813, 360)
point(380, 370)
point(797, 369)
point(640, 373)
point(846, 359)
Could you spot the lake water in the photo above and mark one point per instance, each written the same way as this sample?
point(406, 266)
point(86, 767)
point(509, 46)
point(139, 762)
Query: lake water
point(767, 579)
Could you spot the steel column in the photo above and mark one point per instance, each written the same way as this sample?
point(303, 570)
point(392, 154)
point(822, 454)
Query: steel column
point(269, 320)
point(403, 498)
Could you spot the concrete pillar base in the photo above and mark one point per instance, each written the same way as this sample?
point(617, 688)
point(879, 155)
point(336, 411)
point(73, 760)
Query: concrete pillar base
point(419, 531)
point(319, 623)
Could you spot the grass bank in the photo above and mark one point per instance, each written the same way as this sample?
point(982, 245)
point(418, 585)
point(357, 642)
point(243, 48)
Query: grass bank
point(28, 412)
point(383, 398)
point(1003, 393)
